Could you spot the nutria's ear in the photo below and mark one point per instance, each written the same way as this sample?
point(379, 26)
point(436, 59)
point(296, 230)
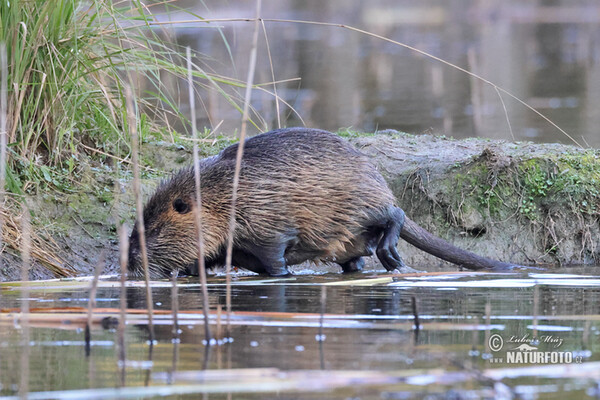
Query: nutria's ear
point(181, 206)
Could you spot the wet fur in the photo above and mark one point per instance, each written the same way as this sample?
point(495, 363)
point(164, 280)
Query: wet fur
point(304, 194)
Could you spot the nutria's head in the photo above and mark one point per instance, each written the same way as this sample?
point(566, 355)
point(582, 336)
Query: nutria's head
point(170, 229)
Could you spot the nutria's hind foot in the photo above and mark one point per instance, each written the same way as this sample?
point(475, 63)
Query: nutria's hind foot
point(386, 249)
point(353, 265)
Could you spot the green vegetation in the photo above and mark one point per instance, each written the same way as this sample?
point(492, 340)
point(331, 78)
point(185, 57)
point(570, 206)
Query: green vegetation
point(350, 133)
point(69, 62)
point(528, 187)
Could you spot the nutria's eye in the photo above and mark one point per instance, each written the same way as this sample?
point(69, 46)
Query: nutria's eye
point(181, 206)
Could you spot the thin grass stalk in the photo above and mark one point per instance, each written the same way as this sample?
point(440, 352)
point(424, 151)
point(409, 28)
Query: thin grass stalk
point(238, 165)
point(3, 133)
point(251, 71)
point(25, 266)
point(277, 111)
point(139, 207)
point(512, 135)
point(123, 261)
point(198, 210)
point(92, 303)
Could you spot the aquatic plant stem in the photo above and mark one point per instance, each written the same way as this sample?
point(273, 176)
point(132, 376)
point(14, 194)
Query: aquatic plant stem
point(238, 163)
point(92, 303)
point(139, 207)
point(198, 209)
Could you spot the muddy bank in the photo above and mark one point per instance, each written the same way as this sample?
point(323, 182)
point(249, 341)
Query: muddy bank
point(518, 202)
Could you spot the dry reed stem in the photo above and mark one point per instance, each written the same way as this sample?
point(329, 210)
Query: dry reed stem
point(488, 321)
point(536, 306)
point(175, 303)
point(139, 207)
point(24, 320)
point(238, 162)
point(413, 301)
point(197, 211)
point(122, 230)
point(123, 261)
point(3, 133)
point(175, 311)
point(321, 322)
point(92, 302)
point(380, 37)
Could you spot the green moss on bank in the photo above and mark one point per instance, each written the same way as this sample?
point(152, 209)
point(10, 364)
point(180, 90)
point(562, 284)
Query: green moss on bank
point(527, 186)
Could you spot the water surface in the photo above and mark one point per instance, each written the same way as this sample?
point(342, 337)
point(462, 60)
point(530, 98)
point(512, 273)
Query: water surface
point(285, 342)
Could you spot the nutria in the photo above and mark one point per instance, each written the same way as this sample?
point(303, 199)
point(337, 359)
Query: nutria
point(304, 194)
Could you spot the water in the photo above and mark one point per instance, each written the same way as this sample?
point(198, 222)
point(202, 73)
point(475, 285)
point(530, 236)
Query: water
point(361, 342)
point(547, 53)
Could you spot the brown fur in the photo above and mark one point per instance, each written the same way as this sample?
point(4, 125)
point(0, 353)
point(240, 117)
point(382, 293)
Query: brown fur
point(304, 194)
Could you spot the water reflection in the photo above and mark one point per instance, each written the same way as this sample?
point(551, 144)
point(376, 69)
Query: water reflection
point(278, 325)
point(547, 53)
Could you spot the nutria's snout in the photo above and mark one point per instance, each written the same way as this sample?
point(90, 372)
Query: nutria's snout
point(169, 231)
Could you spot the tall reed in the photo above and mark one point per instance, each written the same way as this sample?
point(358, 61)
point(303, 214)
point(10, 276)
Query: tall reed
point(198, 195)
point(3, 108)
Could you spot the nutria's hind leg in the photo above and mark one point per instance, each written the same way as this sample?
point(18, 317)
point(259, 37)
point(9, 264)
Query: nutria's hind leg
point(386, 249)
point(243, 259)
point(354, 265)
point(239, 258)
point(271, 258)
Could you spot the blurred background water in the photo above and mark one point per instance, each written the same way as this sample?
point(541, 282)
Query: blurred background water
point(546, 52)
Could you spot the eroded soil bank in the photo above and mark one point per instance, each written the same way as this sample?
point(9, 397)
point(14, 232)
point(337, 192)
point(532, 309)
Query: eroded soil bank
point(519, 202)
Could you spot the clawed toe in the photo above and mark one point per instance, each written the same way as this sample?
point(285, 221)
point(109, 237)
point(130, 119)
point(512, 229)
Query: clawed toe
point(390, 258)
